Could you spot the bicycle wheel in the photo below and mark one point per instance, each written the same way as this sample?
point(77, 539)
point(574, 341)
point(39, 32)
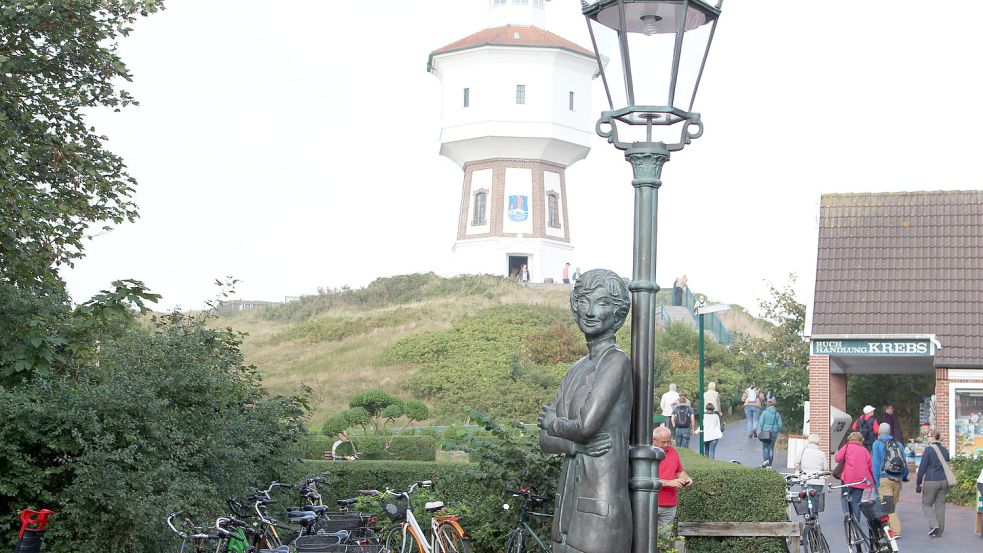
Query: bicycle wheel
point(396, 544)
point(814, 540)
point(855, 539)
point(516, 543)
point(452, 539)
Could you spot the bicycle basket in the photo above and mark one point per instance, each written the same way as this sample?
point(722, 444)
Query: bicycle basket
point(395, 509)
point(877, 508)
point(316, 544)
point(326, 526)
point(802, 505)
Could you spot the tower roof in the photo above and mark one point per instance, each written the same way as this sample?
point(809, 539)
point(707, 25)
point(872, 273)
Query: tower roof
point(513, 35)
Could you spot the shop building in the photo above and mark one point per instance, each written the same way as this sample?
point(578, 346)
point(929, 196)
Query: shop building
point(899, 290)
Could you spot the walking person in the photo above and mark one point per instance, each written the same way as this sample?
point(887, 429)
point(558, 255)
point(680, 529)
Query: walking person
point(684, 420)
point(566, 273)
point(752, 409)
point(867, 426)
point(667, 402)
point(711, 395)
point(890, 469)
point(932, 484)
point(768, 428)
point(712, 431)
point(813, 460)
point(857, 467)
point(888, 417)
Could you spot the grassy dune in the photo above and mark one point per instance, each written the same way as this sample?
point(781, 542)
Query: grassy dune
point(332, 343)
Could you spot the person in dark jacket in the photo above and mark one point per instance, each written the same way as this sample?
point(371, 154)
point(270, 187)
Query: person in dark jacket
point(888, 417)
point(932, 484)
point(867, 426)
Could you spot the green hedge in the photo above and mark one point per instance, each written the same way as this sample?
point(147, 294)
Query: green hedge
point(404, 448)
point(966, 471)
point(349, 477)
point(726, 492)
point(721, 492)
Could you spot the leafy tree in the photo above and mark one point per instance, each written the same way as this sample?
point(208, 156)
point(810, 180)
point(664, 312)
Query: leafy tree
point(58, 59)
point(781, 363)
point(376, 402)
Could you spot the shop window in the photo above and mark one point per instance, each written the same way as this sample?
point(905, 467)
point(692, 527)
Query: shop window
point(969, 421)
point(520, 93)
point(467, 97)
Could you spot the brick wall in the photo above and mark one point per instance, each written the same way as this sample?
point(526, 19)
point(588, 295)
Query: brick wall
point(942, 402)
point(819, 381)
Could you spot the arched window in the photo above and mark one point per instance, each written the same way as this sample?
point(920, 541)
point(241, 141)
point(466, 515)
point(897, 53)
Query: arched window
point(553, 208)
point(480, 203)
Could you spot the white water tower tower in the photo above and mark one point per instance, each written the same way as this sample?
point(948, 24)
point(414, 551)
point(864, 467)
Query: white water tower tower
point(515, 113)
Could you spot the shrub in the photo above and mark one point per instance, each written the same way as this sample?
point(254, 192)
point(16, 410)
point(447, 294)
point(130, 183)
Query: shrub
point(725, 492)
point(966, 470)
point(401, 448)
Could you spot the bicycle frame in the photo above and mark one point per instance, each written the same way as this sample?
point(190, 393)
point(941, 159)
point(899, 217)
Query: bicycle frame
point(542, 545)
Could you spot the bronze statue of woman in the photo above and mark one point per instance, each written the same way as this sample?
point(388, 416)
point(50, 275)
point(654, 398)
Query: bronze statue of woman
point(589, 422)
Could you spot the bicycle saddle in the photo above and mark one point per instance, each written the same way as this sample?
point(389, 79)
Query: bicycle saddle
point(433, 505)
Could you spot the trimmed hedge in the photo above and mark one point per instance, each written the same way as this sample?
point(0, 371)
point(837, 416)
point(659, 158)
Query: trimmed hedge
point(727, 492)
point(349, 477)
point(721, 492)
point(373, 448)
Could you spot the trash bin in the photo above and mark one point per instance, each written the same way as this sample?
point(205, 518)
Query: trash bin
point(31, 534)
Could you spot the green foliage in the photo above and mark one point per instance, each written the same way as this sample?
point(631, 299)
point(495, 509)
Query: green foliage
point(678, 361)
point(372, 448)
point(57, 60)
point(781, 363)
point(169, 418)
point(480, 360)
point(966, 471)
point(720, 493)
point(558, 344)
point(333, 329)
point(376, 402)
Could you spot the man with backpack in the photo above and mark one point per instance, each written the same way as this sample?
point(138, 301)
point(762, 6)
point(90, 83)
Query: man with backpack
point(684, 420)
point(867, 426)
point(890, 469)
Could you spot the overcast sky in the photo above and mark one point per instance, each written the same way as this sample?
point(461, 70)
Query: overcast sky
point(294, 145)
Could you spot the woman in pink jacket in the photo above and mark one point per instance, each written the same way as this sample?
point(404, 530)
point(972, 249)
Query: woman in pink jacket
point(858, 467)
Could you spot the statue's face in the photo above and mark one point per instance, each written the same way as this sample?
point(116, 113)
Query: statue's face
point(596, 313)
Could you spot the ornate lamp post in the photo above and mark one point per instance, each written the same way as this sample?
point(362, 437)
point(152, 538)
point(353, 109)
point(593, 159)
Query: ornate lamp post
point(651, 55)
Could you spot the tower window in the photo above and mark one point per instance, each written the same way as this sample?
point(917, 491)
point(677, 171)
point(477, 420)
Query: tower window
point(467, 97)
point(571, 100)
point(480, 201)
point(537, 3)
point(522, 2)
point(499, 2)
point(520, 93)
point(553, 206)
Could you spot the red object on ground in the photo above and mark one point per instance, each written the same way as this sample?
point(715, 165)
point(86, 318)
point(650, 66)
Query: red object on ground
point(33, 520)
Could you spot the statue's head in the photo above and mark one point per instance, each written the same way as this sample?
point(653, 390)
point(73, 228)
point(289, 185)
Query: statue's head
point(600, 302)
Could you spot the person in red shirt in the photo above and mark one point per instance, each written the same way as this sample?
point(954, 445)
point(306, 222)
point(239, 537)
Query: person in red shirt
point(672, 476)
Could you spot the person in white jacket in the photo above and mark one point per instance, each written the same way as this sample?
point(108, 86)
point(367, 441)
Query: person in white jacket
point(813, 460)
point(713, 430)
point(667, 403)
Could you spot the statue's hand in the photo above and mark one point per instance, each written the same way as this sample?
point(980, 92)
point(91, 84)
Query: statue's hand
point(599, 445)
point(546, 419)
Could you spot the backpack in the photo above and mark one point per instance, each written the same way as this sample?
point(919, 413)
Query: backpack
point(681, 415)
point(894, 461)
point(866, 428)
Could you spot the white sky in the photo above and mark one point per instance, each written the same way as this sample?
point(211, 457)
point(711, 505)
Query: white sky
point(295, 144)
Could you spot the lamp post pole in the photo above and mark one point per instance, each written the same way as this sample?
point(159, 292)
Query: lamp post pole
point(646, 160)
point(702, 404)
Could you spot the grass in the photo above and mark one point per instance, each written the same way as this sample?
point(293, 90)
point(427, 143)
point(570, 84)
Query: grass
point(331, 343)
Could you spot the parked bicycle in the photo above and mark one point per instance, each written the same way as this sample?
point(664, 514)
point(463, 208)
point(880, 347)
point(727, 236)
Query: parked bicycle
point(808, 502)
point(406, 536)
point(523, 538)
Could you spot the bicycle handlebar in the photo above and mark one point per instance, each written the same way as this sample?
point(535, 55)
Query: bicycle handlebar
point(526, 494)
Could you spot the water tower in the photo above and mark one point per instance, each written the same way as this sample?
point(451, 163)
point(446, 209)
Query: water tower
point(515, 113)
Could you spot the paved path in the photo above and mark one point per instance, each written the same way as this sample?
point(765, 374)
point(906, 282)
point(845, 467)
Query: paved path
point(959, 534)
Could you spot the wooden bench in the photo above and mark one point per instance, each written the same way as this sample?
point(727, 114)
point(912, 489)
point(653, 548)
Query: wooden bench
point(791, 530)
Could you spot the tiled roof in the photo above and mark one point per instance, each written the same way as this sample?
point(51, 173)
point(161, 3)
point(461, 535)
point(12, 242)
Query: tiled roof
point(903, 263)
point(513, 35)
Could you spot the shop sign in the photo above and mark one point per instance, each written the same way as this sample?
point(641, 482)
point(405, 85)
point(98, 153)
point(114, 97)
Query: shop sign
point(873, 348)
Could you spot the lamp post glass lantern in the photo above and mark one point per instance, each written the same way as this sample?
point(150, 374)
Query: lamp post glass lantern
point(650, 56)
